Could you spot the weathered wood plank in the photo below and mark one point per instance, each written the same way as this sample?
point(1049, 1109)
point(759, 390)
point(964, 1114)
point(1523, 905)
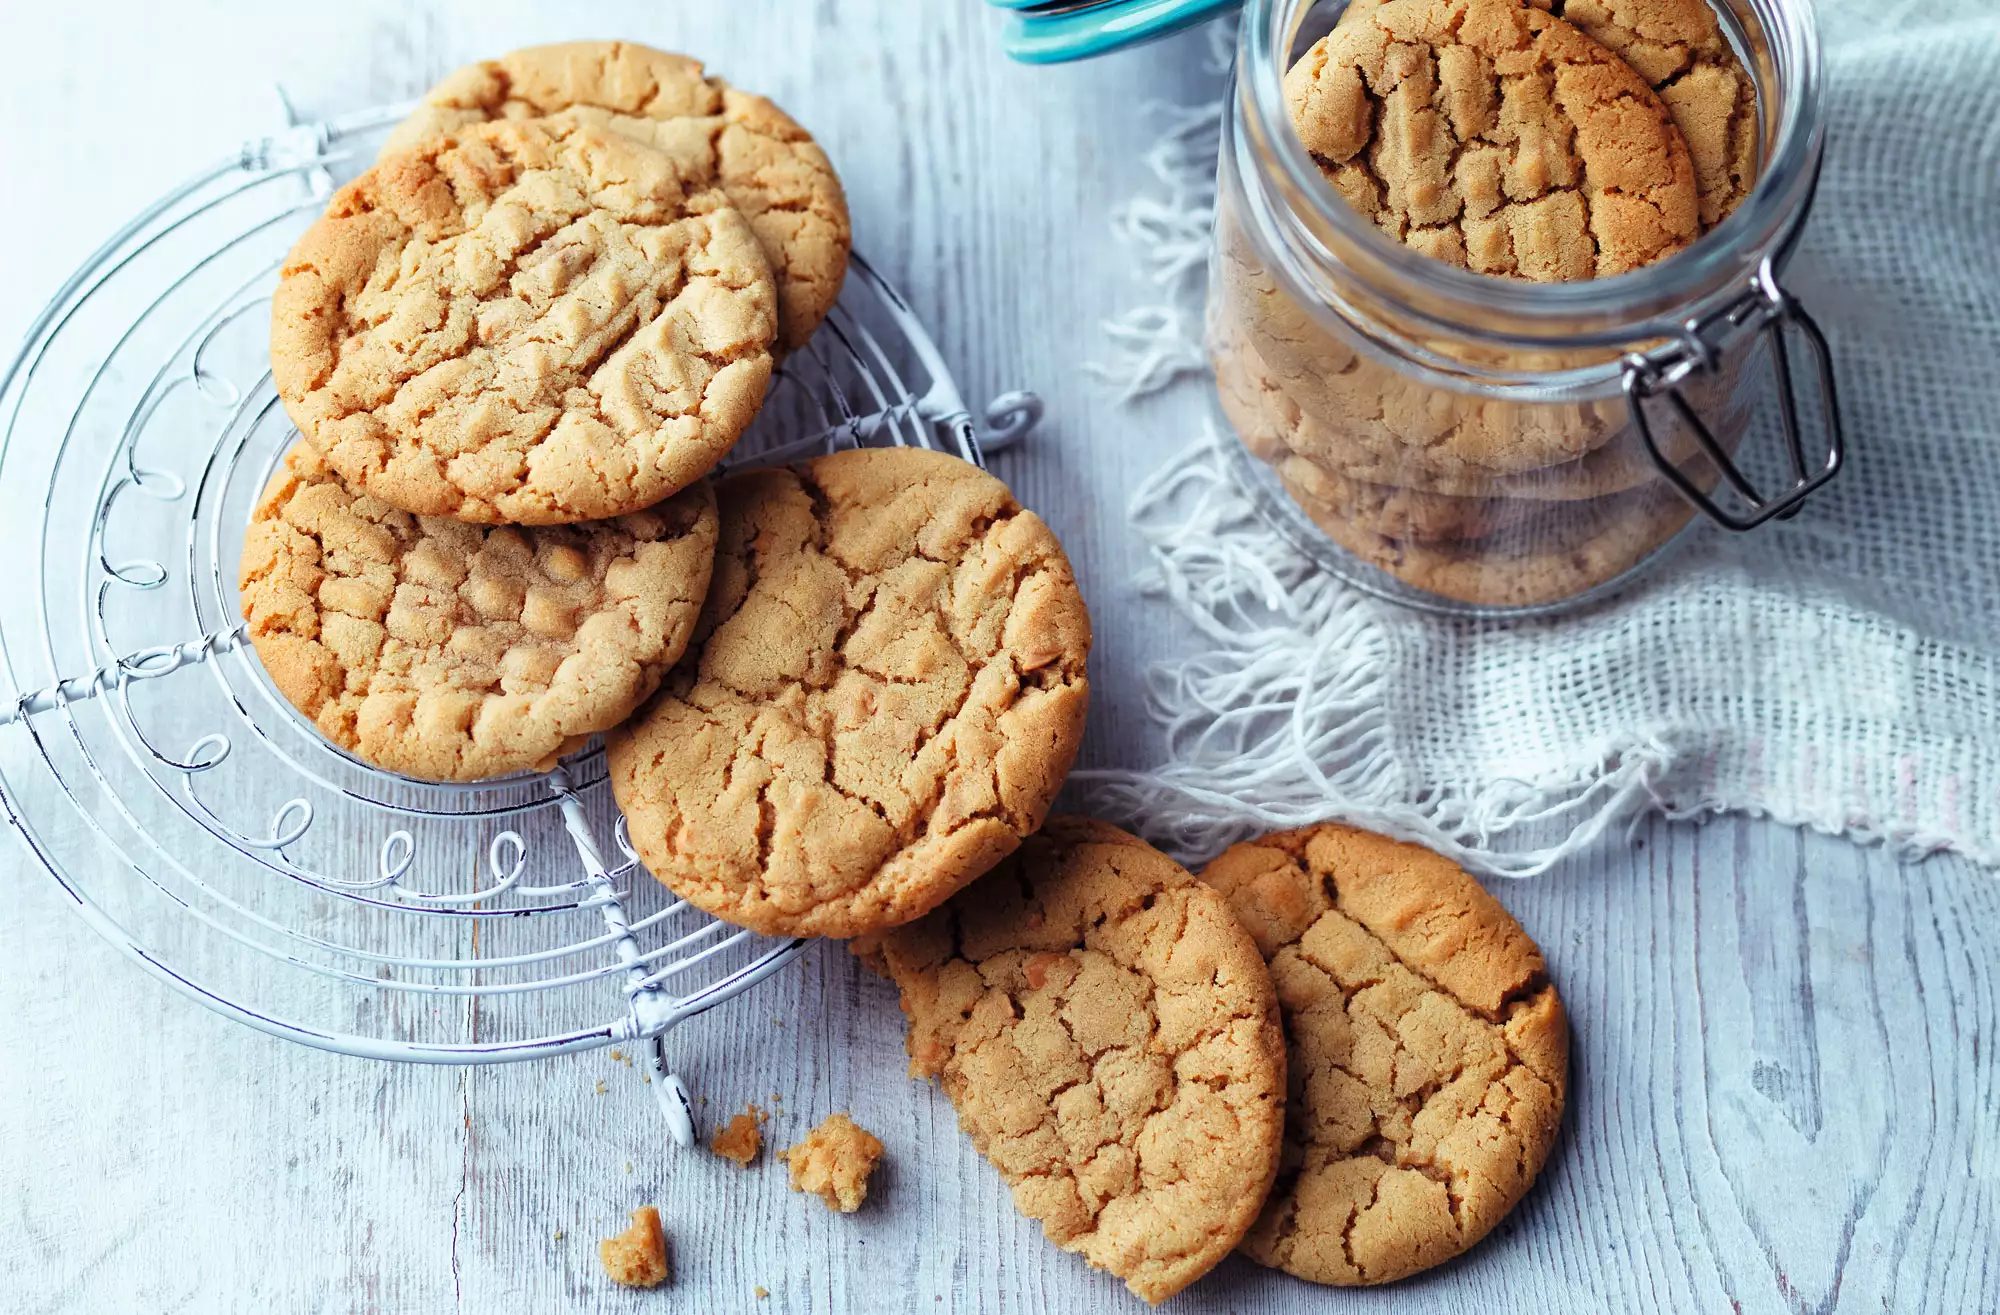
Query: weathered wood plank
point(1786, 1089)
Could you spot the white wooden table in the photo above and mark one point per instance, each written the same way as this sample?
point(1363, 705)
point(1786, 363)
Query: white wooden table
point(1786, 1090)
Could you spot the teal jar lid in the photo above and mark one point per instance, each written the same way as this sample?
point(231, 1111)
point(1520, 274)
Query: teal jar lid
point(1039, 32)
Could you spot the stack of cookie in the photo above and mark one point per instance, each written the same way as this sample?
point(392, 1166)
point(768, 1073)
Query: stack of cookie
point(515, 348)
point(1538, 140)
point(1334, 1052)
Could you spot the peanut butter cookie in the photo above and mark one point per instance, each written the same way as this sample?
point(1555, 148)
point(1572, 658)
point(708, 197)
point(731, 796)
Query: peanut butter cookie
point(1109, 1035)
point(1678, 47)
point(532, 323)
point(1401, 514)
point(1355, 413)
point(1349, 419)
point(770, 167)
point(456, 652)
point(1496, 137)
point(1429, 1056)
point(887, 698)
point(1378, 508)
point(1571, 550)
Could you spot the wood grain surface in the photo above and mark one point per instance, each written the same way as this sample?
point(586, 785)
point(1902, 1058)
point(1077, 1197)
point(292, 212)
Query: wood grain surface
point(1786, 1093)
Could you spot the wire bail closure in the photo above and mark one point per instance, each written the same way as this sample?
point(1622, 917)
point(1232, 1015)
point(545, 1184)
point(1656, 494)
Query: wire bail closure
point(1765, 309)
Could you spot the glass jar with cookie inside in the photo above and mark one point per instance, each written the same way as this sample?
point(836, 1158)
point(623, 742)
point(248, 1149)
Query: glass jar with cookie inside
point(1495, 304)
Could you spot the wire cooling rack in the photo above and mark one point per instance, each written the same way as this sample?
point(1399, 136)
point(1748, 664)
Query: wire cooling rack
point(177, 800)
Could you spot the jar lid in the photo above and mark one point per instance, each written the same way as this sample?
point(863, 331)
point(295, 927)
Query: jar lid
point(1058, 31)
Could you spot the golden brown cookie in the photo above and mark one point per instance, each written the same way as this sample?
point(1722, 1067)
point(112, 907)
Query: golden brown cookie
point(1679, 48)
point(834, 1163)
point(457, 652)
point(1496, 137)
point(1289, 415)
point(531, 323)
point(1110, 1038)
point(1372, 421)
point(1429, 1055)
point(888, 697)
point(770, 167)
point(1389, 512)
point(1571, 550)
point(1434, 518)
point(1380, 508)
point(1351, 423)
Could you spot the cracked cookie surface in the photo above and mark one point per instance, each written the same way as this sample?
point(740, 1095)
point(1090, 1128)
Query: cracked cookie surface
point(770, 167)
point(1679, 48)
point(1110, 1038)
point(885, 695)
point(459, 652)
point(1429, 1056)
point(1495, 137)
point(531, 323)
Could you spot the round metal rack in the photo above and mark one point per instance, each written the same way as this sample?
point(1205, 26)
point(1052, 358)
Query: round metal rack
point(182, 806)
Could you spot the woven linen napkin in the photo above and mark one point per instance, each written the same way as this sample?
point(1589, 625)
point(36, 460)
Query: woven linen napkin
point(1839, 671)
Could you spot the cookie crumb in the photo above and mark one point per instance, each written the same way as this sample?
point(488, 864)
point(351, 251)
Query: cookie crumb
point(600, 1089)
point(761, 1291)
point(628, 1166)
point(637, 1257)
point(834, 1162)
point(559, 1235)
point(739, 1139)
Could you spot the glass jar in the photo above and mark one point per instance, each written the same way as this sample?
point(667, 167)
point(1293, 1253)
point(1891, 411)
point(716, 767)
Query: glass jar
point(1485, 445)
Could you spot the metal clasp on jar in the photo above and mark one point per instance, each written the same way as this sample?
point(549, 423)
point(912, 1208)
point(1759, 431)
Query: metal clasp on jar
point(1765, 309)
